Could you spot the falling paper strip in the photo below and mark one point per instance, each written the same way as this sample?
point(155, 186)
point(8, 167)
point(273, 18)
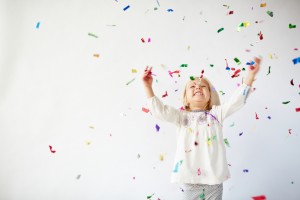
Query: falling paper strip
point(126, 7)
point(145, 110)
point(93, 35)
point(37, 25)
point(298, 109)
point(221, 29)
point(296, 60)
point(157, 128)
point(52, 151)
point(261, 197)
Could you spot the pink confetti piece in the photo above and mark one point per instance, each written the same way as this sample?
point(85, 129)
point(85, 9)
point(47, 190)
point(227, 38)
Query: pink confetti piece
point(199, 172)
point(297, 109)
point(145, 110)
point(290, 131)
point(256, 116)
point(174, 72)
point(51, 149)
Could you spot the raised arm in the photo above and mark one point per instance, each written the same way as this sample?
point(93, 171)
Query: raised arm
point(239, 97)
point(148, 80)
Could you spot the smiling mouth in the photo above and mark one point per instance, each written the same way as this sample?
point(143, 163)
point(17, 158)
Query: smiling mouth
point(198, 94)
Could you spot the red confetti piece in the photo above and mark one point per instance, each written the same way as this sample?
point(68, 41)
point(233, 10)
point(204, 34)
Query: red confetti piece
point(145, 110)
point(260, 35)
point(261, 197)
point(202, 73)
point(292, 82)
point(165, 95)
point(256, 116)
point(297, 109)
point(232, 68)
point(231, 12)
point(290, 131)
point(143, 40)
point(236, 73)
point(296, 49)
point(52, 151)
point(175, 72)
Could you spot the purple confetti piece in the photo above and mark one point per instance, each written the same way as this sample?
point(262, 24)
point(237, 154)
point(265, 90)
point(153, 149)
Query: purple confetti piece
point(246, 170)
point(157, 127)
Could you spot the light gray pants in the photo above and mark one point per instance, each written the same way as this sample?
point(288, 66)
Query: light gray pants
point(202, 192)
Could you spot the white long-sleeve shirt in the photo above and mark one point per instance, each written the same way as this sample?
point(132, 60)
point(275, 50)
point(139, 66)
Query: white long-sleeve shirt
point(200, 156)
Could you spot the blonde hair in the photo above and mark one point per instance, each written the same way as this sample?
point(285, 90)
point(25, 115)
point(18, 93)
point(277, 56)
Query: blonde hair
point(213, 100)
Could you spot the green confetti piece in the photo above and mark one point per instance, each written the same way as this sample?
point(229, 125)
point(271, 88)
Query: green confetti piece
point(192, 78)
point(211, 65)
point(243, 69)
point(221, 29)
point(184, 65)
point(237, 61)
point(292, 26)
point(93, 35)
point(226, 142)
point(130, 81)
point(270, 13)
point(149, 197)
point(181, 162)
point(286, 102)
point(214, 137)
point(202, 196)
point(222, 93)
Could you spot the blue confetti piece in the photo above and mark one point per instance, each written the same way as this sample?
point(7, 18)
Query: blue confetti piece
point(176, 168)
point(157, 127)
point(250, 63)
point(269, 117)
point(240, 133)
point(170, 10)
point(126, 7)
point(37, 25)
point(227, 68)
point(296, 60)
point(246, 170)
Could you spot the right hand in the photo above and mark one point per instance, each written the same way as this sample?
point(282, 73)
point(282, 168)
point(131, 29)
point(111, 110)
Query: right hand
point(147, 77)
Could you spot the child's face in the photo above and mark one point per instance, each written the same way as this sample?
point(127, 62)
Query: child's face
point(198, 93)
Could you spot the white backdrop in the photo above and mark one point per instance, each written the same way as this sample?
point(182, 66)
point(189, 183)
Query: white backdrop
point(54, 91)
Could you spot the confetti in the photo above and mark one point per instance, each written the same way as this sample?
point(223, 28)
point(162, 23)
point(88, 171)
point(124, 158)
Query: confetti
point(183, 65)
point(221, 29)
point(261, 197)
point(270, 13)
point(145, 110)
point(78, 176)
point(133, 71)
point(256, 116)
point(286, 102)
point(236, 73)
point(175, 72)
point(240, 133)
point(96, 55)
point(157, 128)
point(157, 2)
point(192, 78)
point(260, 36)
point(161, 157)
point(263, 5)
point(211, 65)
point(292, 26)
point(92, 35)
point(170, 10)
point(232, 124)
point(269, 70)
point(269, 117)
point(150, 196)
point(290, 131)
point(199, 172)
point(222, 93)
point(202, 196)
point(298, 109)
point(126, 7)
point(292, 82)
point(227, 68)
point(230, 12)
point(245, 170)
point(130, 81)
point(237, 61)
point(226, 142)
point(296, 60)
point(87, 142)
point(37, 25)
point(165, 95)
point(52, 151)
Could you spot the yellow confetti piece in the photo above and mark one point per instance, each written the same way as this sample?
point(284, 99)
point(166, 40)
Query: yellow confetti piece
point(96, 55)
point(161, 157)
point(209, 141)
point(87, 142)
point(190, 130)
point(134, 71)
point(263, 5)
point(92, 127)
point(246, 24)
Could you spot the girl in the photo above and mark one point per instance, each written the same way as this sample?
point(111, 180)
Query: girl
point(200, 160)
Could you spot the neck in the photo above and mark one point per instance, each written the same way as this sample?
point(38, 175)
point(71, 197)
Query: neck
point(198, 107)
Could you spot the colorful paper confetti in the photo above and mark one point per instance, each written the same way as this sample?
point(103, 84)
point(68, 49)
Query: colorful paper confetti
point(292, 82)
point(296, 60)
point(165, 95)
point(269, 71)
point(270, 13)
point(261, 197)
point(145, 110)
point(130, 81)
point(286, 102)
point(170, 10)
point(126, 7)
point(226, 142)
point(221, 29)
point(292, 26)
point(184, 65)
point(157, 128)
point(237, 61)
point(199, 172)
point(298, 109)
point(92, 35)
point(51, 149)
point(263, 5)
point(245, 170)
point(37, 25)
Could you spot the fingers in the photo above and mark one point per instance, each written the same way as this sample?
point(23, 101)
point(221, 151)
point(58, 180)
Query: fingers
point(257, 60)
